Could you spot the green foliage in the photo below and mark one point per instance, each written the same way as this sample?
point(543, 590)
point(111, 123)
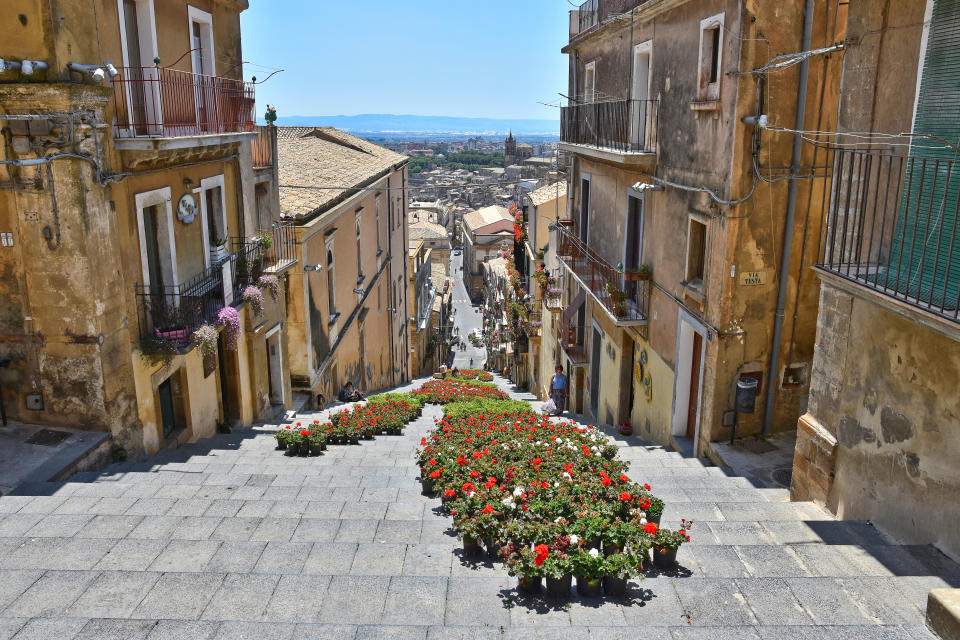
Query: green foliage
point(469, 160)
point(457, 410)
point(155, 350)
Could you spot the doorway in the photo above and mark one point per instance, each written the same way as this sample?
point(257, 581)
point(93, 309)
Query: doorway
point(168, 415)
point(633, 251)
point(639, 112)
point(688, 384)
point(595, 350)
point(584, 208)
point(274, 366)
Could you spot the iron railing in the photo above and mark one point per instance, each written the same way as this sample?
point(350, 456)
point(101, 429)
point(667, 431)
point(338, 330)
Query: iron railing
point(173, 313)
point(593, 12)
point(604, 281)
point(572, 338)
point(618, 125)
point(893, 225)
point(262, 147)
point(248, 258)
point(283, 249)
point(162, 102)
point(533, 323)
point(587, 14)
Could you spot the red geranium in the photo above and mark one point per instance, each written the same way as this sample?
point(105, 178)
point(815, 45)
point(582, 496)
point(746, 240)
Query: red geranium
point(650, 528)
point(625, 496)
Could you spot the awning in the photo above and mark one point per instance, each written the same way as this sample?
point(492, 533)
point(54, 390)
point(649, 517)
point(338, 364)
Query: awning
point(575, 305)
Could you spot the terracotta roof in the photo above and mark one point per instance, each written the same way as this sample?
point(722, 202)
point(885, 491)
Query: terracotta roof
point(495, 228)
point(325, 157)
point(475, 220)
point(548, 193)
point(423, 229)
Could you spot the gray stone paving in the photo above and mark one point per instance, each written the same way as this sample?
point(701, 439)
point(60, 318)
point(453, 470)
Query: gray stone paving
point(228, 538)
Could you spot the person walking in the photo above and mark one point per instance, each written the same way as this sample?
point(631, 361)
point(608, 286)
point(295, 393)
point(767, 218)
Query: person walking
point(558, 389)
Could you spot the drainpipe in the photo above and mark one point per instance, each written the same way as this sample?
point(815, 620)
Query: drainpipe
point(773, 378)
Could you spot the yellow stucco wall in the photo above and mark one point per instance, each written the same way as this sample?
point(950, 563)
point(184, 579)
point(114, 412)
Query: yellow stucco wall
point(651, 418)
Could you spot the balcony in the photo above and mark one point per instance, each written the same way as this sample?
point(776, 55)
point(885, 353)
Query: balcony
point(533, 325)
point(571, 336)
point(623, 131)
point(172, 314)
point(593, 13)
point(263, 146)
point(624, 301)
point(282, 252)
point(893, 226)
point(157, 107)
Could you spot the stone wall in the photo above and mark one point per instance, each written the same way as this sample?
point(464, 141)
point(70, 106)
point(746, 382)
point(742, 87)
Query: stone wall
point(880, 441)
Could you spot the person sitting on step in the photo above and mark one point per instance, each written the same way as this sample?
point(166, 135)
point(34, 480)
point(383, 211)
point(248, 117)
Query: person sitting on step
point(349, 394)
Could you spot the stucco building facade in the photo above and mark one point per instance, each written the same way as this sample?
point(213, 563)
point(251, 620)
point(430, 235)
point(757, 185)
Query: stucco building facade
point(672, 247)
point(879, 439)
point(131, 218)
point(347, 306)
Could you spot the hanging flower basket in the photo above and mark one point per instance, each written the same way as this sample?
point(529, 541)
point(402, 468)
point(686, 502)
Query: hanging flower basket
point(229, 320)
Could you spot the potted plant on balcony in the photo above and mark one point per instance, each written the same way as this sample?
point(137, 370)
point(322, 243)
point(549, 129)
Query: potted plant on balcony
point(218, 251)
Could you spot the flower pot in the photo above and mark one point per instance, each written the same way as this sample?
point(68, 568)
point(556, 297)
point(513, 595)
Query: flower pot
point(354, 439)
point(664, 558)
point(493, 549)
point(471, 547)
point(281, 445)
point(315, 448)
point(594, 543)
point(654, 519)
point(610, 549)
point(615, 587)
point(426, 484)
point(588, 587)
point(529, 584)
point(559, 587)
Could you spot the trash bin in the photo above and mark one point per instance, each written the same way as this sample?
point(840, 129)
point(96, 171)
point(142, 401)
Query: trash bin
point(746, 394)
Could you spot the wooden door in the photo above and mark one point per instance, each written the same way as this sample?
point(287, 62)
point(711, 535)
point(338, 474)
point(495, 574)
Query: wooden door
point(694, 386)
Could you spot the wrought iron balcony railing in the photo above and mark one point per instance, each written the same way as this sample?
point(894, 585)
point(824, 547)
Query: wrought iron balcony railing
point(262, 147)
point(283, 250)
point(571, 336)
point(893, 225)
point(626, 126)
point(625, 300)
point(594, 12)
point(173, 313)
point(157, 102)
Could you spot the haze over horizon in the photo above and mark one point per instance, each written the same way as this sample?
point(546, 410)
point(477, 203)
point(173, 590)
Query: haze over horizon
point(432, 57)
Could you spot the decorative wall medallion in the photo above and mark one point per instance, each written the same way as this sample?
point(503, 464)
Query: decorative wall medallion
point(187, 208)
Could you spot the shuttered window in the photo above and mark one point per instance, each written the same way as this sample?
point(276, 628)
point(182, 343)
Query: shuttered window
point(924, 261)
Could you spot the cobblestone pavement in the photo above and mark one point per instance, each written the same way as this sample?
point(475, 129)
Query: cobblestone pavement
point(228, 538)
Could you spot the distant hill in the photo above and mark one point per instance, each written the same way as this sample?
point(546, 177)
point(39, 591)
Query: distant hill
point(392, 123)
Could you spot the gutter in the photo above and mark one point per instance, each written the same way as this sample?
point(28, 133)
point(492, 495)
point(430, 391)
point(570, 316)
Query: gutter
point(795, 158)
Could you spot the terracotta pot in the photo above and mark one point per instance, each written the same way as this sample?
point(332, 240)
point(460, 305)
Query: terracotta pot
point(588, 587)
point(529, 584)
point(471, 547)
point(559, 587)
point(614, 587)
point(664, 558)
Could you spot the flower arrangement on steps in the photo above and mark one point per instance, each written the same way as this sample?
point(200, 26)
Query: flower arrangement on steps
point(466, 374)
point(385, 414)
point(448, 390)
point(551, 499)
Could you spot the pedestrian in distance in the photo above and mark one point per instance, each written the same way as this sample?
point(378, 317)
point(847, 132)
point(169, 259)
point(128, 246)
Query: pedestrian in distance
point(558, 389)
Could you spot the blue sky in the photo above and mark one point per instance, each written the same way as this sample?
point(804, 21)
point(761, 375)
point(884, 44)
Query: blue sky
point(493, 58)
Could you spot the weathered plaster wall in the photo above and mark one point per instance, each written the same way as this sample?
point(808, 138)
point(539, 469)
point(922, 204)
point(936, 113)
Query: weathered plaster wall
point(651, 418)
point(886, 388)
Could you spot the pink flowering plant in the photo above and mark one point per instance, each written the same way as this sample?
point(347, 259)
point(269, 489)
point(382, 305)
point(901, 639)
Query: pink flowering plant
point(229, 320)
point(254, 297)
point(270, 284)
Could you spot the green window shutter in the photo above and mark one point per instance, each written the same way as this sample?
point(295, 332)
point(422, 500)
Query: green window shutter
point(924, 261)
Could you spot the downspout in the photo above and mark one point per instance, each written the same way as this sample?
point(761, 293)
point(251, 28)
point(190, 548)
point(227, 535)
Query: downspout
point(773, 378)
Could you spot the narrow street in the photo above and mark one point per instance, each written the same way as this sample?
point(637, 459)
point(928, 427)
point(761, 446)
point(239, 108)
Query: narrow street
point(466, 317)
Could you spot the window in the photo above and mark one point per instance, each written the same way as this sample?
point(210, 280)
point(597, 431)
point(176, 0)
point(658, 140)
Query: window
point(379, 249)
point(359, 251)
point(158, 250)
point(331, 282)
point(711, 49)
point(696, 252)
point(213, 214)
point(590, 82)
point(584, 208)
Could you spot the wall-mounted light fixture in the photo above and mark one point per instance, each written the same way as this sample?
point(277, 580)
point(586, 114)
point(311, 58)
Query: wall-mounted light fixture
point(313, 267)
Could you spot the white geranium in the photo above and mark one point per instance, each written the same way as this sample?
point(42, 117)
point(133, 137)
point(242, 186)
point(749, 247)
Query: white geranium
point(574, 539)
point(594, 553)
point(517, 492)
point(643, 521)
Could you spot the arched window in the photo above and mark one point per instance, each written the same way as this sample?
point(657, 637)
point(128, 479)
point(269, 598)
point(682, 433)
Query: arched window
point(331, 282)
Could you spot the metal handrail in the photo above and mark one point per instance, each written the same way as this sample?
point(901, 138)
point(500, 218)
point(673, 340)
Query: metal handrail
point(164, 102)
point(619, 125)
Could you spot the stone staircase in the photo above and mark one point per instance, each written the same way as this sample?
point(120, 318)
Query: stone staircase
point(229, 538)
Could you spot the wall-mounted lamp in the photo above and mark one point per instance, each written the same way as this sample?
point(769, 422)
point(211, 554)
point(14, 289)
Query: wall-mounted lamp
point(188, 183)
point(646, 186)
point(313, 267)
point(359, 292)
